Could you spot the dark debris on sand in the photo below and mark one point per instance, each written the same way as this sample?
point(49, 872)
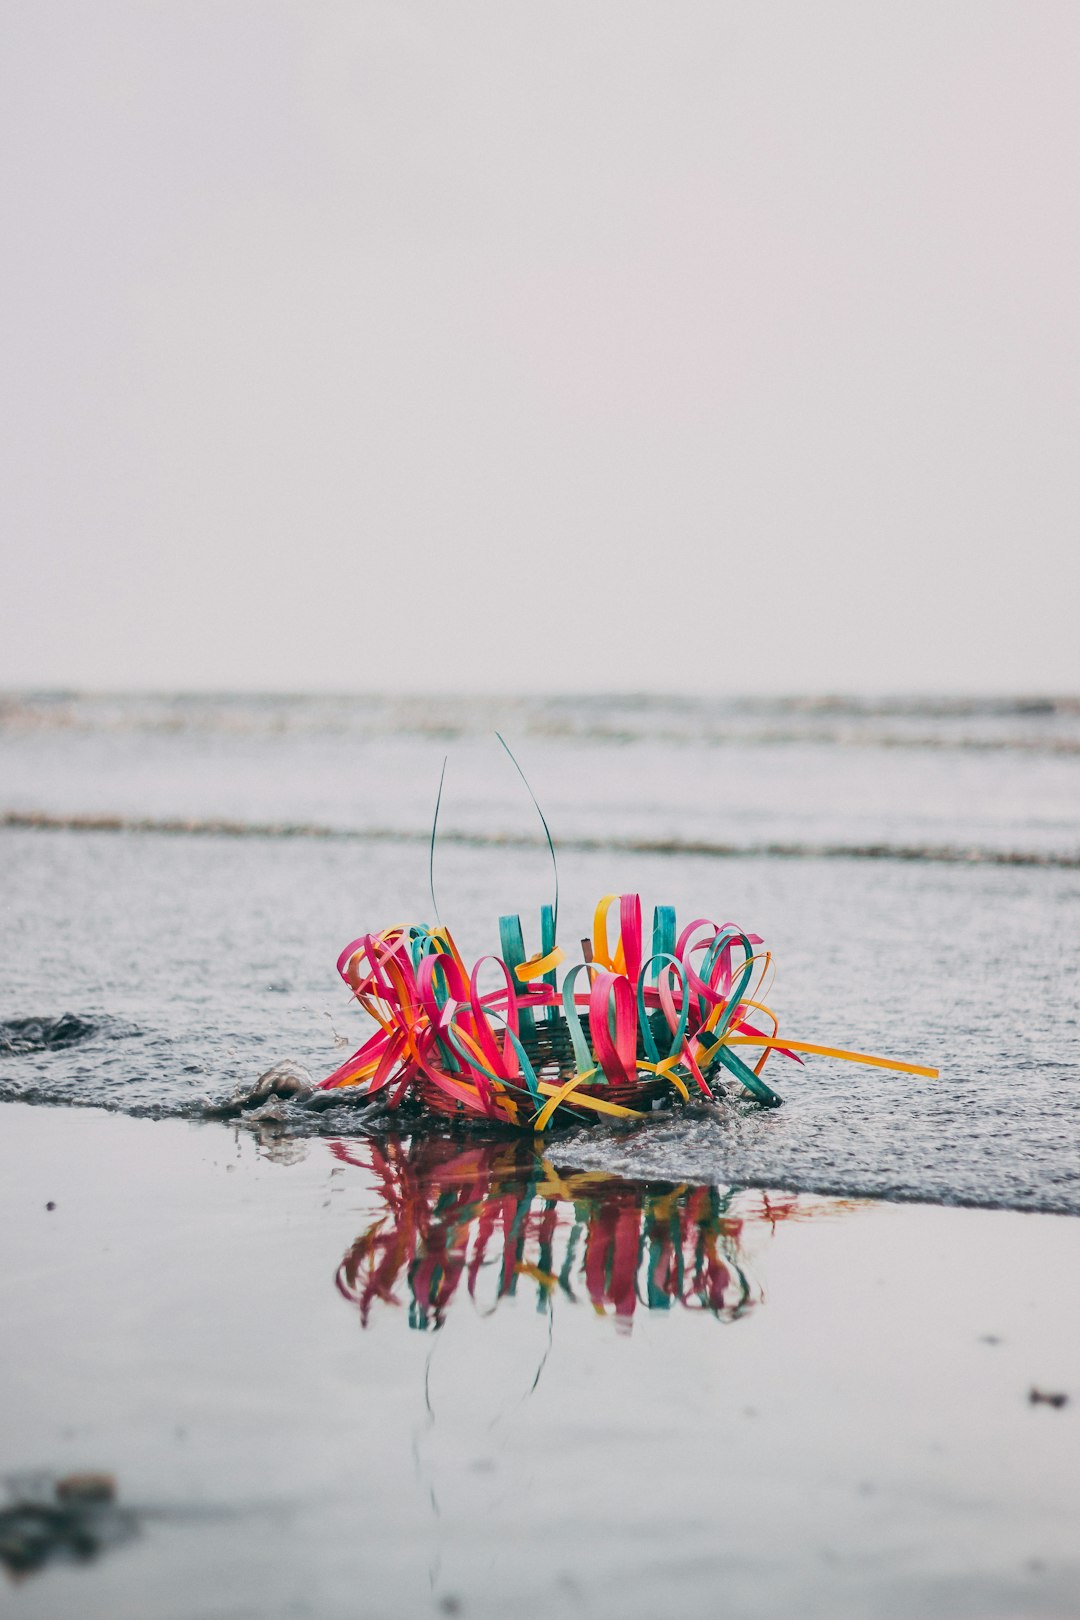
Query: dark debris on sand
point(65, 1520)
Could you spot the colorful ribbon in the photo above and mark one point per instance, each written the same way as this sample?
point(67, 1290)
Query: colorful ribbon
point(656, 1026)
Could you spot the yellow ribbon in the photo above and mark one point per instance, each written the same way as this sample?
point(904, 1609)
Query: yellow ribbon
point(823, 1051)
point(537, 966)
point(595, 1103)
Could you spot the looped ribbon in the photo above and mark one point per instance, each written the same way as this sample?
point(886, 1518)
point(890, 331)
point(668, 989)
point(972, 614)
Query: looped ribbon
point(668, 1019)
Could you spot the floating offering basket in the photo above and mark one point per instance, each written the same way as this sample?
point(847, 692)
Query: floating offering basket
point(627, 1030)
point(631, 1027)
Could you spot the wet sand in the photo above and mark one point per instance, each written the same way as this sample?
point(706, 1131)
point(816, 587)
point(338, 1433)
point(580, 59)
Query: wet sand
point(795, 1406)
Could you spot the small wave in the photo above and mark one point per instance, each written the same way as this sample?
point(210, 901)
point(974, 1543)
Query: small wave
point(1032, 724)
point(216, 827)
point(19, 1036)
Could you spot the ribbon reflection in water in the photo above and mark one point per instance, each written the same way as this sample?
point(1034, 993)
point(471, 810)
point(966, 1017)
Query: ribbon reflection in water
point(480, 1221)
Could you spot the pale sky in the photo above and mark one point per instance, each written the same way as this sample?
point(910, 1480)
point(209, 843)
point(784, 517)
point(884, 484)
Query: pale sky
point(693, 346)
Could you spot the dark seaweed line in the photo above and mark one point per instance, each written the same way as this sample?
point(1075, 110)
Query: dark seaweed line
point(942, 854)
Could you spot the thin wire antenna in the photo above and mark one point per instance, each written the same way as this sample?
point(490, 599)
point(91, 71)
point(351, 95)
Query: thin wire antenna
point(431, 856)
point(543, 823)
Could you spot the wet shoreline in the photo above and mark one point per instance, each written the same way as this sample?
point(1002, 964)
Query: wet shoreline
point(322, 1369)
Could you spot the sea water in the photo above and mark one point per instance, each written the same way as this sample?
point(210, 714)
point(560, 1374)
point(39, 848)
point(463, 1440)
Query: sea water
point(179, 874)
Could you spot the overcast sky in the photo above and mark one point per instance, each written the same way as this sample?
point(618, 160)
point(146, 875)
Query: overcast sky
point(682, 345)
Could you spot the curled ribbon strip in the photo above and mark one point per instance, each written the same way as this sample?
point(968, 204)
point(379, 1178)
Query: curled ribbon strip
point(658, 1024)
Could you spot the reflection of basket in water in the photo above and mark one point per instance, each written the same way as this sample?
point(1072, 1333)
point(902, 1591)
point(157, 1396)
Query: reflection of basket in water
point(645, 1026)
point(476, 1222)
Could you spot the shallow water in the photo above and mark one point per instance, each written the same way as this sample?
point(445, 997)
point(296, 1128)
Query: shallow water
point(199, 961)
point(996, 778)
point(336, 1378)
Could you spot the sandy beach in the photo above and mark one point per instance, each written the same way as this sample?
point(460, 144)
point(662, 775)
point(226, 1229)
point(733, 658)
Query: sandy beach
point(850, 1433)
